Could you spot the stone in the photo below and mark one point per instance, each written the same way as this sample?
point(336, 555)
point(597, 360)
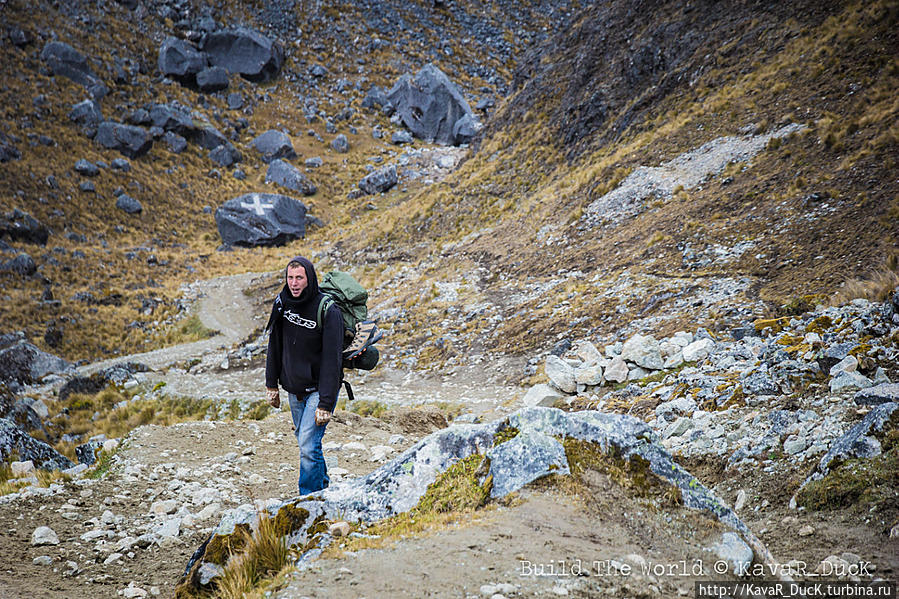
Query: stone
point(261, 219)
point(273, 145)
point(23, 362)
point(287, 175)
point(524, 458)
point(429, 105)
point(642, 350)
point(175, 143)
point(590, 375)
point(848, 381)
point(20, 469)
point(401, 137)
point(465, 128)
point(245, 52)
point(834, 354)
point(22, 264)
point(541, 395)
point(87, 114)
point(127, 204)
point(225, 155)
point(678, 428)
point(87, 168)
point(740, 502)
point(759, 382)
point(673, 361)
point(698, 350)
point(42, 560)
point(616, 371)
point(180, 60)
point(589, 354)
point(21, 226)
point(560, 374)
point(340, 144)
point(66, 61)
point(339, 529)
point(130, 140)
point(44, 535)
point(379, 181)
point(735, 551)
point(212, 79)
point(806, 531)
point(794, 445)
point(847, 364)
point(878, 394)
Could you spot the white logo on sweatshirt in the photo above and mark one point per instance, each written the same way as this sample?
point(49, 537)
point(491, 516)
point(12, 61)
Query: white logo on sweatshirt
point(299, 320)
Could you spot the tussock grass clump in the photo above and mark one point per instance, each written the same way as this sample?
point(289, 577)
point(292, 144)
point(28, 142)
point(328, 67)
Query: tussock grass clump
point(367, 407)
point(457, 491)
point(115, 414)
point(42, 478)
point(876, 287)
point(869, 485)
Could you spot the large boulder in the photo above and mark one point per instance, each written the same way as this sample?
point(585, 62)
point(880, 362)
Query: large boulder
point(131, 141)
point(287, 175)
point(264, 219)
point(24, 363)
point(14, 441)
point(21, 226)
point(430, 105)
point(180, 60)
point(379, 181)
point(171, 118)
point(273, 145)
point(246, 52)
point(22, 264)
point(66, 61)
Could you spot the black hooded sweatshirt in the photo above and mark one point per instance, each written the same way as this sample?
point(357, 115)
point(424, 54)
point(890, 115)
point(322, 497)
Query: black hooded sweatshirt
point(302, 356)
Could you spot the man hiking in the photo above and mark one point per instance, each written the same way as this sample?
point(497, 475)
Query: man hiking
point(306, 359)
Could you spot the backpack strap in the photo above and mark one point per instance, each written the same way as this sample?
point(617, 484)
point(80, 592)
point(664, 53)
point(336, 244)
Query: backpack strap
point(326, 303)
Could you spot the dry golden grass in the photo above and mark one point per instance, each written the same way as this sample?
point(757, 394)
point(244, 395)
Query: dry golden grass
point(877, 286)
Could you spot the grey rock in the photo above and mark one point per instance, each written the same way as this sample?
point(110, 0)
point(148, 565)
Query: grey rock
point(525, 458)
point(87, 168)
point(734, 550)
point(759, 382)
point(643, 350)
point(845, 446)
point(273, 145)
point(261, 219)
point(465, 129)
point(678, 428)
point(866, 447)
point(879, 394)
point(617, 370)
point(212, 79)
point(22, 264)
point(287, 175)
point(68, 62)
point(180, 60)
point(429, 105)
point(314, 162)
point(21, 226)
point(128, 204)
point(590, 375)
point(379, 181)
point(175, 142)
point(120, 164)
point(794, 445)
point(542, 395)
point(560, 374)
point(235, 101)
point(401, 137)
point(847, 364)
point(698, 350)
point(225, 155)
point(44, 535)
point(130, 140)
point(15, 441)
point(246, 52)
point(88, 115)
point(24, 363)
point(844, 381)
point(340, 144)
point(833, 354)
point(375, 98)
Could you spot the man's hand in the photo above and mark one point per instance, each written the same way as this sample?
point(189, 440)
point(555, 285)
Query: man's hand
point(274, 398)
point(322, 416)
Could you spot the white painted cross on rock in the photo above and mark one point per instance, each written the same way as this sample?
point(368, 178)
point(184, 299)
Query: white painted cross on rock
point(258, 205)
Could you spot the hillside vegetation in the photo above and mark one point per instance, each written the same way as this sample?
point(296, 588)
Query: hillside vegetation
point(502, 255)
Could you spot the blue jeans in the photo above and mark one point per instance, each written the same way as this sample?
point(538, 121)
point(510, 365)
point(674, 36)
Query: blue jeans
point(313, 471)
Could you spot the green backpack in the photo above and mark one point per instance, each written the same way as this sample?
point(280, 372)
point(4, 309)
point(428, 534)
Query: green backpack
point(351, 297)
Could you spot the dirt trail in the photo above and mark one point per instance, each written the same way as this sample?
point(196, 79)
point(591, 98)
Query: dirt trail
point(223, 307)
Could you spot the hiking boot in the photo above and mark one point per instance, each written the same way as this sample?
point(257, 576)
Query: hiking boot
point(367, 332)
